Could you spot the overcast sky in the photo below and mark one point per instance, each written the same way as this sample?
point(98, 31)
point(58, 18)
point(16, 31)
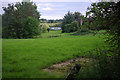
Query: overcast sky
point(56, 9)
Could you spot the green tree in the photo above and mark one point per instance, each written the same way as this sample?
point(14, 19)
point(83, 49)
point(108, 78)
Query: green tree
point(77, 15)
point(29, 9)
point(74, 26)
point(31, 27)
point(71, 22)
point(106, 14)
point(6, 18)
point(14, 17)
point(71, 27)
point(68, 19)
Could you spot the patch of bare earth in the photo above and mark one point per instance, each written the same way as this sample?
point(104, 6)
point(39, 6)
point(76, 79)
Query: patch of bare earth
point(65, 67)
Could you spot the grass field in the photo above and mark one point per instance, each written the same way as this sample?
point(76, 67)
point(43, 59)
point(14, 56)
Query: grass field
point(24, 58)
point(52, 34)
point(50, 24)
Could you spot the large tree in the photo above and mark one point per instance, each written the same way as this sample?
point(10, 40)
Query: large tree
point(106, 14)
point(14, 17)
point(68, 18)
point(71, 22)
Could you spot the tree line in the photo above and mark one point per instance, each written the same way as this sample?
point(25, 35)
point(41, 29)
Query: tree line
point(50, 21)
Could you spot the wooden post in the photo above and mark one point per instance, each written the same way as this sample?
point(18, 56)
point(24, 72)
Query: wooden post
point(74, 71)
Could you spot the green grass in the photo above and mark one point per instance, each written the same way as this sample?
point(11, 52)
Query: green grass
point(24, 58)
point(50, 24)
point(52, 34)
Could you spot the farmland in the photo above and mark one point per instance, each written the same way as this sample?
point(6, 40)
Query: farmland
point(50, 24)
point(26, 57)
point(72, 40)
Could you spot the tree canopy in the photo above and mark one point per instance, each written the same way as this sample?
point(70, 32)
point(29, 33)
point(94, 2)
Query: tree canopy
point(107, 15)
point(14, 18)
point(71, 22)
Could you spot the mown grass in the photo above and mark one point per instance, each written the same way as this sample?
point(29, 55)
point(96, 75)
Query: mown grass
point(52, 34)
point(24, 58)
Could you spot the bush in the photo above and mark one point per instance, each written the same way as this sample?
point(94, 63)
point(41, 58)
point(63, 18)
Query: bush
point(83, 28)
point(71, 27)
point(74, 26)
point(44, 27)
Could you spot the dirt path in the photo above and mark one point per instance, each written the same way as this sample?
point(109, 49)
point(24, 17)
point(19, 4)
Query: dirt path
point(65, 67)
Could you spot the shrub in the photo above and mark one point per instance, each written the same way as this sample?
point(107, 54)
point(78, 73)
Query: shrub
point(83, 28)
point(74, 26)
point(44, 27)
point(71, 27)
point(106, 65)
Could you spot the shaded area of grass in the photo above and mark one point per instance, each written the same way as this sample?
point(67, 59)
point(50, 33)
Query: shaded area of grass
point(26, 57)
point(89, 32)
point(81, 33)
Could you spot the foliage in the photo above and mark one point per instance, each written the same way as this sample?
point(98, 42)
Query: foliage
point(74, 26)
point(83, 28)
point(68, 19)
point(107, 14)
point(78, 17)
point(31, 27)
point(71, 27)
point(96, 15)
point(71, 22)
point(103, 67)
point(44, 27)
point(14, 16)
